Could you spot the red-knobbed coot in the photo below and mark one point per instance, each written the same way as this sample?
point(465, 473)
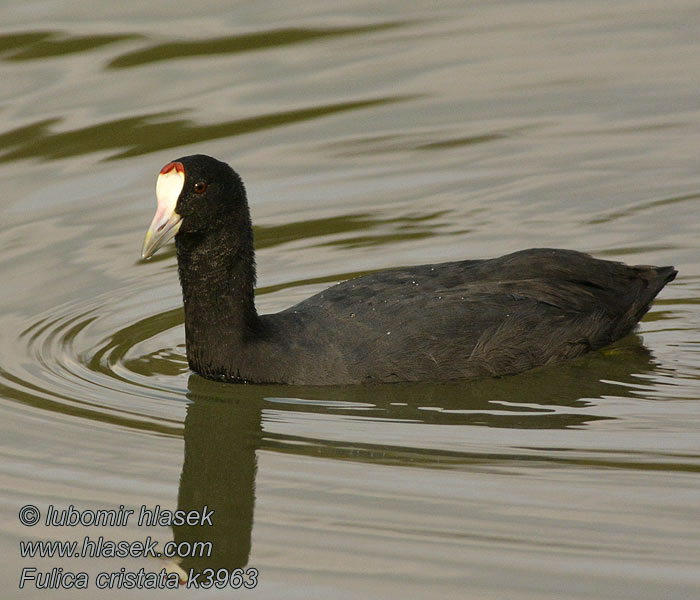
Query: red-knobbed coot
point(438, 322)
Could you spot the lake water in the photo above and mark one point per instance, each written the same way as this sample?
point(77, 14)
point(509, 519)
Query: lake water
point(370, 135)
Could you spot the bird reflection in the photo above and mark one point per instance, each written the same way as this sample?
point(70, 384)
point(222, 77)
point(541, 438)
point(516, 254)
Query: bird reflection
point(224, 431)
point(221, 438)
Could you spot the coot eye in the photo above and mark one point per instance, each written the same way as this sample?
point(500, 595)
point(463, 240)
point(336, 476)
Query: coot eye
point(200, 187)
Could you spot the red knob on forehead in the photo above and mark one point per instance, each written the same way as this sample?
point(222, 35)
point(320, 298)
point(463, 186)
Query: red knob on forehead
point(178, 166)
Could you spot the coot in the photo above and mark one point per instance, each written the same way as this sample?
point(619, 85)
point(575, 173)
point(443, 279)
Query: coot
point(439, 322)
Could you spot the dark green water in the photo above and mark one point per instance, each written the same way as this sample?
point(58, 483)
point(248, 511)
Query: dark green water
point(370, 135)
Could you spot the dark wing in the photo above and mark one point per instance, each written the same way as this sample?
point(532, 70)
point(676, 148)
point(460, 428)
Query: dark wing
point(474, 318)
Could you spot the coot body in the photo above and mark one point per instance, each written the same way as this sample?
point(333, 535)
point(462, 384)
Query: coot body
point(440, 322)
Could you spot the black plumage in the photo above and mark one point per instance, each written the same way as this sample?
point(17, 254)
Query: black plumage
point(439, 322)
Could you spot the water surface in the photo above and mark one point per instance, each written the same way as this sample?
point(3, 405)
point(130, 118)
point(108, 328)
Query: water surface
point(369, 137)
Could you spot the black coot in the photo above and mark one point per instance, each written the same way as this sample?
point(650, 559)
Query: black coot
point(453, 320)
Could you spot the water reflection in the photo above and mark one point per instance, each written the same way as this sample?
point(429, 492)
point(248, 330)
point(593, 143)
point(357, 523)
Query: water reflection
point(236, 44)
point(46, 44)
point(538, 399)
point(225, 428)
point(134, 136)
point(33, 45)
point(221, 439)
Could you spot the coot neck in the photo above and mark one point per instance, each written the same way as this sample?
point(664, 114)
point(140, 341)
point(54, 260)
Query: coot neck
point(217, 274)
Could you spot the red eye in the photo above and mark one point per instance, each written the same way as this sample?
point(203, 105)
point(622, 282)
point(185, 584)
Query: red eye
point(200, 187)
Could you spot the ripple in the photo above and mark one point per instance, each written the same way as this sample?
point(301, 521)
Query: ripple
point(638, 207)
point(109, 359)
point(65, 363)
point(138, 135)
point(46, 44)
point(236, 44)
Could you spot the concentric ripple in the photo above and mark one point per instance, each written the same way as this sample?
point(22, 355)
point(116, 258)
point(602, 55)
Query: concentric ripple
point(94, 358)
point(107, 358)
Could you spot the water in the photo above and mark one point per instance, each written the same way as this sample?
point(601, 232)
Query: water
point(369, 137)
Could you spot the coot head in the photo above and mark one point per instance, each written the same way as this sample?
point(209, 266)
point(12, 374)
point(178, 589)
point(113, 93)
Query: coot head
point(195, 195)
